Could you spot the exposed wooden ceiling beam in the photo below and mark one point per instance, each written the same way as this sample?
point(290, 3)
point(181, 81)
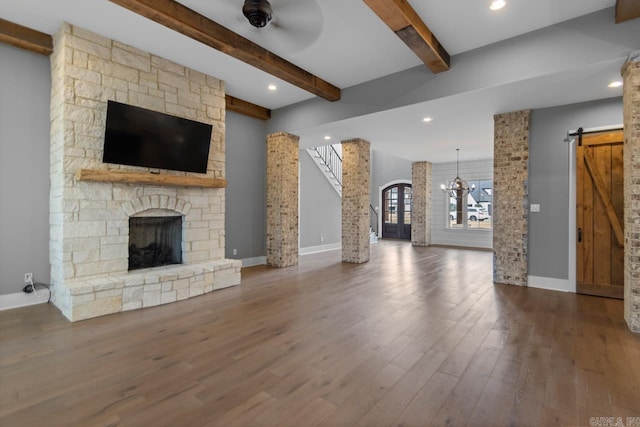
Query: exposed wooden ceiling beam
point(192, 24)
point(626, 10)
point(405, 22)
point(247, 108)
point(25, 38)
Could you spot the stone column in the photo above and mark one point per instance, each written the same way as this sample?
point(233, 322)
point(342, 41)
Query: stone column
point(631, 102)
point(510, 198)
point(421, 210)
point(282, 199)
point(355, 200)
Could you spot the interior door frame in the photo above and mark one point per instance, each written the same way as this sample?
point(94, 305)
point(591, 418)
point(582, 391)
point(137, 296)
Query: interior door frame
point(379, 207)
point(573, 221)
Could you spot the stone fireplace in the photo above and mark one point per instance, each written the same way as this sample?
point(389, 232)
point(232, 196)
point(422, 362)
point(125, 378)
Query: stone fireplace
point(91, 222)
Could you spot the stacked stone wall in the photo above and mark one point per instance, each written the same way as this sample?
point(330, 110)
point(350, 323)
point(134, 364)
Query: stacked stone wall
point(421, 210)
point(282, 199)
point(511, 198)
point(631, 101)
point(356, 155)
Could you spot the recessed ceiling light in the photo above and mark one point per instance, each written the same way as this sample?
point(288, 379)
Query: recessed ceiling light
point(616, 83)
point(497, 4)
point(272, 87)
point(427, 119)
point(327, 137)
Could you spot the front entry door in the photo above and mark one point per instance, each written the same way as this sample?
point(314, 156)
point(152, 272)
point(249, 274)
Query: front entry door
point(397, 212)
point(600, 205)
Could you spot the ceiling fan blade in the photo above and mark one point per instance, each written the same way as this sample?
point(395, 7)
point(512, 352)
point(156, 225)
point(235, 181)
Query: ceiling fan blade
point(285, 39)
point(291, 4)
point(296, 24)
point(289, 10)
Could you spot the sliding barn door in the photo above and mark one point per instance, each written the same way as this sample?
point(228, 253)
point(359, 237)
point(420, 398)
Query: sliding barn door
point(600, 205)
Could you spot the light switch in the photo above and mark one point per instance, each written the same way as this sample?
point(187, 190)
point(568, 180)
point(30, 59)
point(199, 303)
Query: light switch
point(535, 207)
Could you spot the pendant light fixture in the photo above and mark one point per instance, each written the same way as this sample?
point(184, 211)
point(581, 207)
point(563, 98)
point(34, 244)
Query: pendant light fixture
point(458, 187)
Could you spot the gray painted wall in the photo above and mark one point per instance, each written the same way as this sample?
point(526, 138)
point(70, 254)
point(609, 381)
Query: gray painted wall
point(320, 206)
point(245, 199)
point(549, 179)
point(386, 168)
point(25, 88)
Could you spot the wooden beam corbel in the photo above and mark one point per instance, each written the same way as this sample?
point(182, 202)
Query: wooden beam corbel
point(405, 22)
point(25, 38)
point(247, 108)
point(186, 21)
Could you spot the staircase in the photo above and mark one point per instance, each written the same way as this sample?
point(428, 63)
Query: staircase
point(329, 161)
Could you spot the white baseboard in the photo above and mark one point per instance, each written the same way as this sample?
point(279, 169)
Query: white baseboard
point(250, 262)
point(552, 284)
point(21, 299)
point(321, 248)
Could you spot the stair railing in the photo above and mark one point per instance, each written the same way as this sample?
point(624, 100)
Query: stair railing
point(331, 160)
point(373, 219)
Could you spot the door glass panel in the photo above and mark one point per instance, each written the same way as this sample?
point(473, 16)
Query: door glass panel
point(407, 205)
point(391, 206)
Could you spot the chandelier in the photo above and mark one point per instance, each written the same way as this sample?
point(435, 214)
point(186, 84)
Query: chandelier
point(458, 187)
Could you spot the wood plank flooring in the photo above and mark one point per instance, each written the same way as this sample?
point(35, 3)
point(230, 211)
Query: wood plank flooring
point(416, 336)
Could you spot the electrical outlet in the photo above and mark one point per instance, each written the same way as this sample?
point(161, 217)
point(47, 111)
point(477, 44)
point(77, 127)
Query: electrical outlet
point(28, 277)
point(235, 252)
point(321, 238)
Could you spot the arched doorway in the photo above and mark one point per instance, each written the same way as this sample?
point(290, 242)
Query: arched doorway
point(396, 216)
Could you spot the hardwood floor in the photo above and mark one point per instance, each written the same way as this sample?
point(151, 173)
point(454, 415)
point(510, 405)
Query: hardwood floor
point(417, 336)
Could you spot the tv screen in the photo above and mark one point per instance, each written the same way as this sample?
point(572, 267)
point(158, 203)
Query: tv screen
point(139, 137)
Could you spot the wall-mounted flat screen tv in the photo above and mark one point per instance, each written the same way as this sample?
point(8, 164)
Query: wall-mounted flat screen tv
point(139, 137)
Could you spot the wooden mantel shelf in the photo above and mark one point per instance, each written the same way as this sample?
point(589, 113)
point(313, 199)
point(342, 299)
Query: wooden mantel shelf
point(104, 175)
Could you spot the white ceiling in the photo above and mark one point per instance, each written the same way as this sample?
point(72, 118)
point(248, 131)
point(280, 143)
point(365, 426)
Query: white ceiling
point(463, 121)
point(352, 46)
point(462, 25)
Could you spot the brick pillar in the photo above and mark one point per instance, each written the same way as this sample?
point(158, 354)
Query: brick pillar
point(421, 210)
point(631, 102)
point(355, 200)
point(510, 197)
point(282, 199)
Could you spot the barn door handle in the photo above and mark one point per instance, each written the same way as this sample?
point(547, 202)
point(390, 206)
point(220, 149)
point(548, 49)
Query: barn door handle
point(579, 235)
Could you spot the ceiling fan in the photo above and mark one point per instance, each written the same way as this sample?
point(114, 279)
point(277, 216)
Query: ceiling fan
point(284, 26)
point(257, 12)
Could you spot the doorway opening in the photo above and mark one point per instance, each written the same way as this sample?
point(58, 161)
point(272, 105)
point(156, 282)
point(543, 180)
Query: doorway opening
point(396, 217)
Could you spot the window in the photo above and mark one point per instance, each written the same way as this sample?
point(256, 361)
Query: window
point(473, 212)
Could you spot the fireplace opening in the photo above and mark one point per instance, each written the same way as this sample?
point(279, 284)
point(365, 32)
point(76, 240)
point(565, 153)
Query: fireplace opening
point(154, 241)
